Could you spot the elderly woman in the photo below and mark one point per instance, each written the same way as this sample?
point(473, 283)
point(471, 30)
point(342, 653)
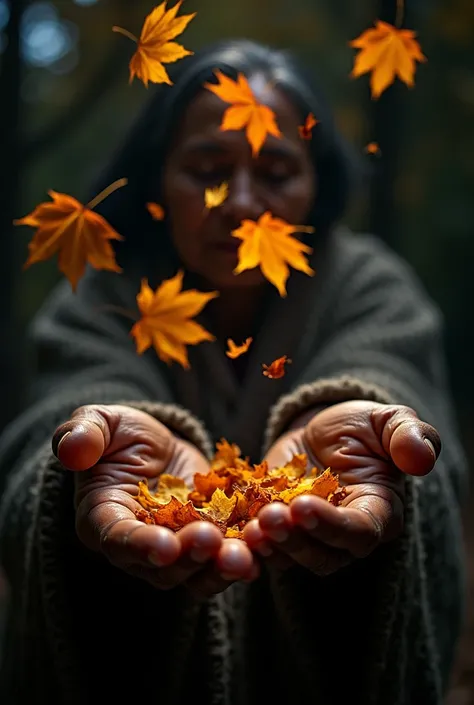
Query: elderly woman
point(358, 603)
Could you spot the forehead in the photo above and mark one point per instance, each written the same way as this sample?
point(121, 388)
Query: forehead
point(203, 115)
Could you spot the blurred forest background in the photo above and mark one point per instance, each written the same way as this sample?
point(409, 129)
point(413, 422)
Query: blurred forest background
point(65, 103)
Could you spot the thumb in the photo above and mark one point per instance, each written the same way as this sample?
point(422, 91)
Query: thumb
point(413, 445)
point(79, 443)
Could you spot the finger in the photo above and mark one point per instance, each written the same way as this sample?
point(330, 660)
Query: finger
point(358, 529)
point(258, 542)
point(80, 442)
point(199, 543)
point(298, 544)
point(233, 562)
point(413, 445)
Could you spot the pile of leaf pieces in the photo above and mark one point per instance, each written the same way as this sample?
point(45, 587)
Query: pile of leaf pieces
point(232, 492)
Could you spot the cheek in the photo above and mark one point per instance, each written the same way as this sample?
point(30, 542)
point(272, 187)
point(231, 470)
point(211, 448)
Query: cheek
point(296, 201)
point(186, 216)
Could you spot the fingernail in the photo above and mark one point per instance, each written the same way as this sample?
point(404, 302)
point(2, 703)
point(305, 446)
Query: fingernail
point(431, 447)
point(58, 443)
point(199, 555)
point(156, 560)
point(278, 535)
point(309, 521)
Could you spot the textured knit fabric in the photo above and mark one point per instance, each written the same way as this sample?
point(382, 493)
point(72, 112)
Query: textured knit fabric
point(380, 632)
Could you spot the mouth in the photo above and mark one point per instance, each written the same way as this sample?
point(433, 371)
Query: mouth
point(227, 246)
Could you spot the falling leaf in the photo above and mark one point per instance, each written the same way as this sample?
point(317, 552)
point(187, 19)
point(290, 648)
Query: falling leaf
point(234, 350)
point(166, 319)
point(387, 52)
point(80, 235)
point(214, 197)
point(268, 243)
point(373, 148)
point(245, 110)
point(156, 211)
point(154, 47)
point(306, 130)
point(276, 369)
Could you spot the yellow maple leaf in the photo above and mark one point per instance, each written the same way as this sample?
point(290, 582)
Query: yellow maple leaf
point(154, 47)
point(268, 243)
point(156, 211)
point(165, 322)
point(214, 197)
point(245, 111)
point(387, 52)
point(75, 231)
point(234, 350)
point(220, 507)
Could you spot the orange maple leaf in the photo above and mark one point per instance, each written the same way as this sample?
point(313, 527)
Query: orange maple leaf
point(388, 52)
point(165, 321)
point(231, 495)
point(234, 350)
point(373, 148)
point(156, 211)
point(277, 368)
point(245, 111)
point(80, 235)
point(214, 197)
point(154, 47)
point(268, 243)
point(305, 131)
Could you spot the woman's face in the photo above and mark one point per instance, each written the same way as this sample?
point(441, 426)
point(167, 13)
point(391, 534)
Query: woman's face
point(280, 180)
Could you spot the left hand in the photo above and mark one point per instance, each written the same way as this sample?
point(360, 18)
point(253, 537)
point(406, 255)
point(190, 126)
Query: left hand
point(370, 446)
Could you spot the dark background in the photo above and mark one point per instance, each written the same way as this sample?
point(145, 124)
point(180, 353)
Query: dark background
point(65, 102)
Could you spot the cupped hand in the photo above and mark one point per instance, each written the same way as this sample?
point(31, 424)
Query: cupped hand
point(371, 447)
point(113, 447)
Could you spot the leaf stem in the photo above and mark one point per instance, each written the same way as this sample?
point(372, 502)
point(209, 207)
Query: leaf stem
point(399, 15)
point(106, 192)
point(125, 33)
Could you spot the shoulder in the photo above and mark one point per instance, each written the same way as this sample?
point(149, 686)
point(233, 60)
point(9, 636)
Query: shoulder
point(362, 260)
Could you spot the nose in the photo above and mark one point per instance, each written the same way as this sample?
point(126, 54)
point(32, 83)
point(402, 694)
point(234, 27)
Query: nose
point(242, 201)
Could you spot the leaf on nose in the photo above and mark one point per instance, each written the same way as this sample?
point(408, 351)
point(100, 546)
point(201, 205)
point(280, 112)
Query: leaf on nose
point(245, 112)
point(215, 197)
point(268, 243)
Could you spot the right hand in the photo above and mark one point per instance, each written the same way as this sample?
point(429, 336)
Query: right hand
point(110, 449)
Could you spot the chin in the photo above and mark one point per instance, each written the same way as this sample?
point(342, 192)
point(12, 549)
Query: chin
point(226, 279)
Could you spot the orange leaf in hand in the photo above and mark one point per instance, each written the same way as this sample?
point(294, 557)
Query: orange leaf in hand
point(237, 350)
point(80, 235)
point(388, 52)
point(156, 211)
point(165, 321)
point(245, 111)
point(214, 197)
point(268, 243)
point(277, 368)
point(305, 130)
point(154, 47)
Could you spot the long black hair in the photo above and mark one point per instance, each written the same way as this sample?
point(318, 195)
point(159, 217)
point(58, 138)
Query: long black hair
point(142, 156)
